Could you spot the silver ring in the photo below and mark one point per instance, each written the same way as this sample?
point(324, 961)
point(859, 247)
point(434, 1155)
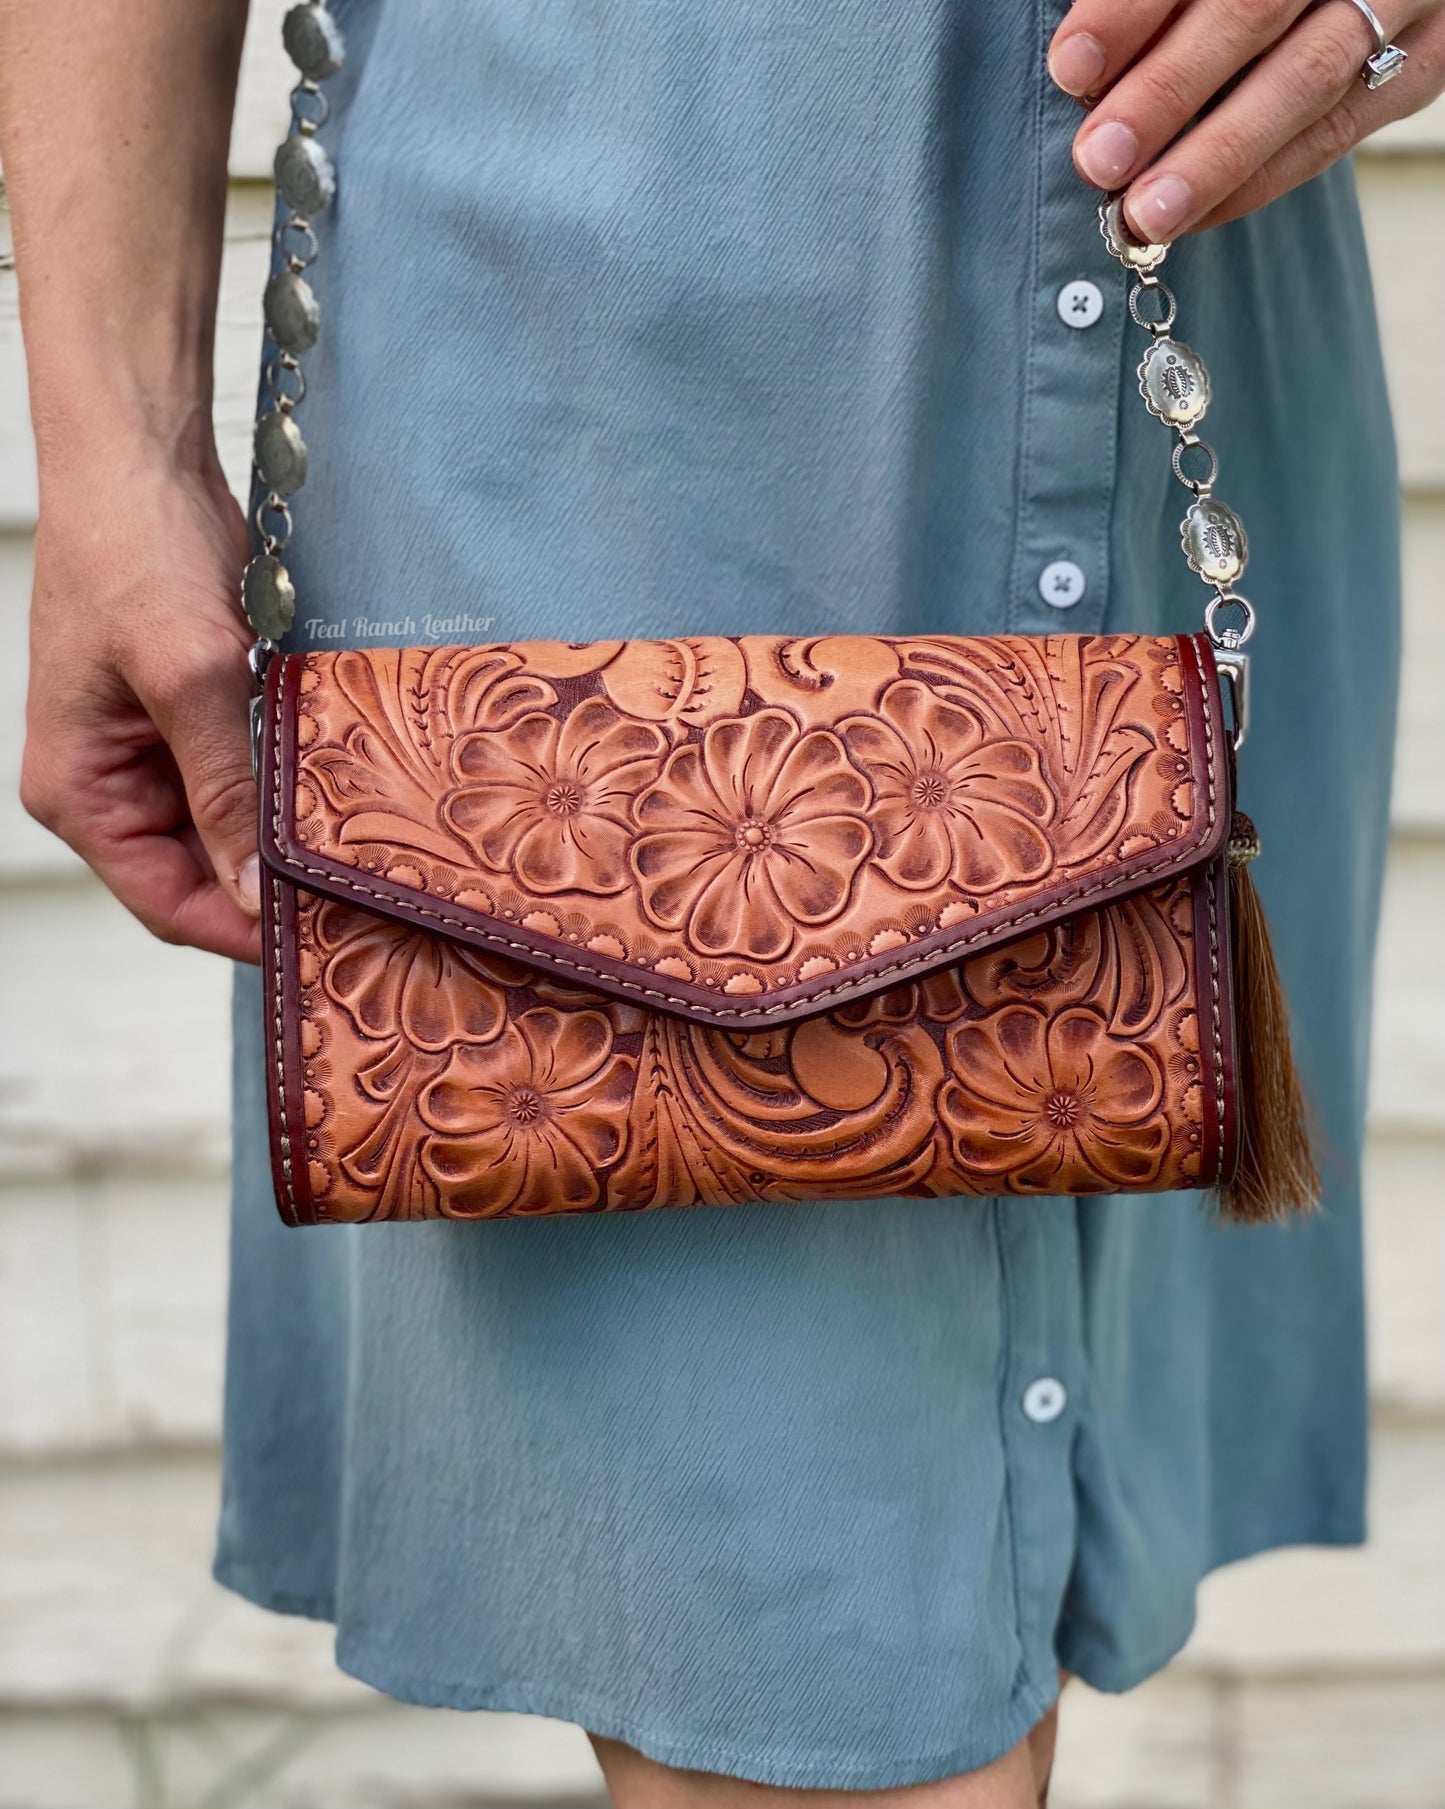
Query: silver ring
point(1229, 638)
point(1388, 59)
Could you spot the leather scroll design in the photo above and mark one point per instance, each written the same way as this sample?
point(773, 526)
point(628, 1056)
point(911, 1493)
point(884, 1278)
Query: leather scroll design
point(572, 928)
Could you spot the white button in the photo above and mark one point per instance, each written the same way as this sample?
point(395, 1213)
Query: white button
point(1062, 583)
point(1080, 303)
point(1045, 1400)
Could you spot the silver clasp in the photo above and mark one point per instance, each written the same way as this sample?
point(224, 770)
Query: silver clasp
point(1230, 658)
point(258, 659)
point(1232, 664)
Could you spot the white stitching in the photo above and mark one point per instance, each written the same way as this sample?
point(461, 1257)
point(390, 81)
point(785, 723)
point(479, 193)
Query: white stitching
point(278, 1026)
point(1208, 739)
point(935, 958)
point(534, 958)
point(1214, 985)
point(278, 976)
point(1218, 1040)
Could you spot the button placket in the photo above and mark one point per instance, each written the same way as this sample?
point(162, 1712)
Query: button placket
point(1068, 450)
point(1043, 1358)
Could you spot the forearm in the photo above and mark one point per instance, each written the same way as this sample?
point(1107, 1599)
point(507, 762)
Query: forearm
point(115, 120)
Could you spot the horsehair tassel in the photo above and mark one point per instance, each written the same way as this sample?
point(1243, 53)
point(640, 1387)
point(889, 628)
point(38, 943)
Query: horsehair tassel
point(1276, 1173)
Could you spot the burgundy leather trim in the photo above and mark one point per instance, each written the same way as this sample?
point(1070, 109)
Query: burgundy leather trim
point(1208, 992)
point(1212, 931)
point(333, 879)
point(1228, 1157)
point(285, 1096)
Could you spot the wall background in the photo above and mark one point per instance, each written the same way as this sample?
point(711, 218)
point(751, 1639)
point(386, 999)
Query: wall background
point(128, 1681)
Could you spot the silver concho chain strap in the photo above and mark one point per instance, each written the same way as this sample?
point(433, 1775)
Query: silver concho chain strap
point(1175, 388)
point(306, 184)
point(1172, 381)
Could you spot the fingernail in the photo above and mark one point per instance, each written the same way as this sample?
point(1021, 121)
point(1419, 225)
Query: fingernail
point(1107, 153)
point(248, 884)
point(1077, 62)
point(1159, 208)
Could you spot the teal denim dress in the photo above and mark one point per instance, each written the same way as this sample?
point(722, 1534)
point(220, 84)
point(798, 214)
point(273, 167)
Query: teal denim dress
point(792, 316)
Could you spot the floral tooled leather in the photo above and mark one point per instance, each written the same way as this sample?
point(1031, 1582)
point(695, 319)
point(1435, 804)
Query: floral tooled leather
point(1067, 1063)
point(560, 929)
point(551, 801)
point(951, 805)
point(751, 836)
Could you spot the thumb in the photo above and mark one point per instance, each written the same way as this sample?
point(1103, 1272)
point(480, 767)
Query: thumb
point(205, 719)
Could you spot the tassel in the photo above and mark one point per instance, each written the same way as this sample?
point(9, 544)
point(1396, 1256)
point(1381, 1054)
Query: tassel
point(1276, 1173)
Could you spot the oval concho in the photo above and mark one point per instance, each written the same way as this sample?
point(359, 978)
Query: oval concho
point(1214, 541)
point(280, 452)
point(1174, 382)
point(1130, 251)
point(292, 311)
point(268, 596)
point(304, 174)
point(313, 41)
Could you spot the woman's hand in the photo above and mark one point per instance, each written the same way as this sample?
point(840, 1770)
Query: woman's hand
point(1146, 67)
point(137, 752)
point(137, 749)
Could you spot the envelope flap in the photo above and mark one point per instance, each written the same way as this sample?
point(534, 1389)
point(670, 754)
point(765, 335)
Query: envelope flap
point(743, 831)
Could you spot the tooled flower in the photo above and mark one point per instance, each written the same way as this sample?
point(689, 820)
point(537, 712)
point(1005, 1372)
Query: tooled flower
point(951, 804)
point(547, 801)
point(394, 980)
point(1056, 1104)
point(526, 1124)
point(750, 833)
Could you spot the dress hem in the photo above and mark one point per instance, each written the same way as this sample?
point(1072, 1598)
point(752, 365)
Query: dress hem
point(1028, 1703)
point(691, 1753)
point(1107, 1675)
point(696, 1752)
point(245, 1580)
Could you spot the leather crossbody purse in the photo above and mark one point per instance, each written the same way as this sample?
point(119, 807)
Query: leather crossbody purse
point(554, 927)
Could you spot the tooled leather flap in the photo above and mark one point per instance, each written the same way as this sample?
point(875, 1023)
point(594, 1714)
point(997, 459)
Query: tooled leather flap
point(743, 831)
